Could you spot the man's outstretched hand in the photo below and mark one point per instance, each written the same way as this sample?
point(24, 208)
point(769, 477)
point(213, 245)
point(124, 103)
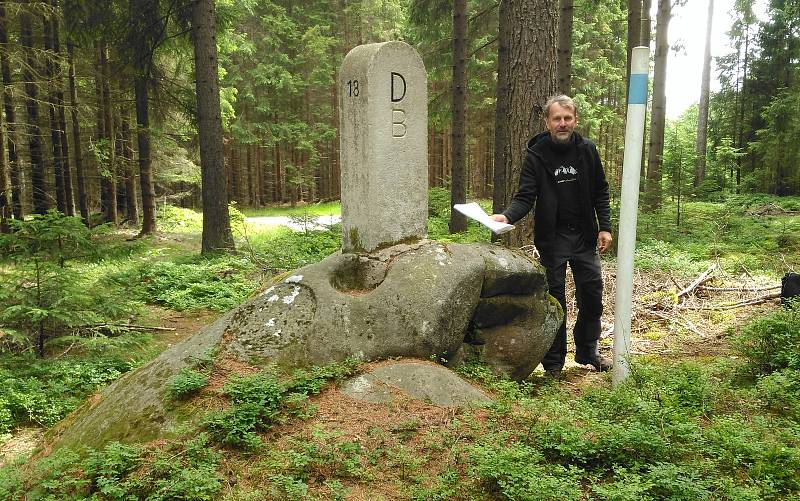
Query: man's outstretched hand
point(500, 217)
point(603, 241)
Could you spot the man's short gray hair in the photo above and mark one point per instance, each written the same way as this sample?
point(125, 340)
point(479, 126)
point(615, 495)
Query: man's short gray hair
point(563, 100)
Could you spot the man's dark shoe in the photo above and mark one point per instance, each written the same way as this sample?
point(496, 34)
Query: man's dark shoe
point(553, 374)
point(599, 362)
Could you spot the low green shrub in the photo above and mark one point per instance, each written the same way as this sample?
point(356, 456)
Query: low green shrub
point(439, 203)
point(42, 392)
point(668, 432)
point(315, 209)
point(780, 391)
point(186, 383)
point(286, 249)
point(185, 470)
point(519, 471)
point(772, 342)
point(438, 229)
point(190, 283)
point(179, 219)
point(303, 461)
point(260, 400)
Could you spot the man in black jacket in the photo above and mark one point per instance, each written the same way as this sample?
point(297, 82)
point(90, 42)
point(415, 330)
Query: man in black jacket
point(562, 179)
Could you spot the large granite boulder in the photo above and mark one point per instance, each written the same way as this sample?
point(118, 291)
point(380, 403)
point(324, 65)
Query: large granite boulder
point(407, 301)
point(412, 300)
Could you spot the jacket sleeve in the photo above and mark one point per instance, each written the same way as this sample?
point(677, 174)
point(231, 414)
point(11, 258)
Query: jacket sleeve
point(600, 196)
point(526, 194)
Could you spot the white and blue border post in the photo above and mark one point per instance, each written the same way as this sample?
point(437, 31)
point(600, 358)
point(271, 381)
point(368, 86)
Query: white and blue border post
point(629, 207)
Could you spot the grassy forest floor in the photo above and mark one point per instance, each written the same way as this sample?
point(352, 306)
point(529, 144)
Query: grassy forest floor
point(711, 410)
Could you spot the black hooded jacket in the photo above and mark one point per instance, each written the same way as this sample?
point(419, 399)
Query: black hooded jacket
point(537, 185)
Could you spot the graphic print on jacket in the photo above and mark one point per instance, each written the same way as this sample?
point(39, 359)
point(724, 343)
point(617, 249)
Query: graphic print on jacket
point(565, 174)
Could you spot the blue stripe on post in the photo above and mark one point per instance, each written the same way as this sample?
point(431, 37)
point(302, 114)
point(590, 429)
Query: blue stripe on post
point(637, 92)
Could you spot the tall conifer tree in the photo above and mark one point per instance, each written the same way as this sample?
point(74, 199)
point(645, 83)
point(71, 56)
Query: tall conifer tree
point(531, 40)
point(216, 221)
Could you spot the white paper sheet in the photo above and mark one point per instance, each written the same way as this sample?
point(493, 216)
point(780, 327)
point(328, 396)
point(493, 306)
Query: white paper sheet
point(474, 211)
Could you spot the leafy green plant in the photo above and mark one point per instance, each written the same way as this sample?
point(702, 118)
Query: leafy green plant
point(287, 487)
point(191, 283)
point(186, 383)
point(175, 470)
point(772, 342)
point(260, 400)
point(438, 203)
point(316, 209)
point(519, 472)
point(780, 391)
point(287, 249)
point(179, 219)
point(43, 392)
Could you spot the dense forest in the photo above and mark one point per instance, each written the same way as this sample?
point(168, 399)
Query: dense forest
point(100, 105)
point(139, 137)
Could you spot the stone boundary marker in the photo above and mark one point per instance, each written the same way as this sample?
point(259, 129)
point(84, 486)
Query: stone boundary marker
point(383, 127)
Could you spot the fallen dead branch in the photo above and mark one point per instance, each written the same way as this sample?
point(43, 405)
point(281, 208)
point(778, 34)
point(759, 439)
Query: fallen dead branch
point(749, 302)
point(686, 324)
point(739, 289)
point(131, 327)
point(705, 276)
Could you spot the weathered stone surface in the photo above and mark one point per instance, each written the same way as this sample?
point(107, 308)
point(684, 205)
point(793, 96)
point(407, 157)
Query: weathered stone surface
point(421, 307)
point(383, 123)
point(517, 347)
point(510, 271)
point(132, 408)
point(515, 332)
point(422, 381)
point(411, 300)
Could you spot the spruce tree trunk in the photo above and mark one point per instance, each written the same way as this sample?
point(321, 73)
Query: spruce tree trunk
point(216, 222)
point(15, 173)
point(702, 119)
point(502, 156)
point(145, 162)
point(80, 176)
point(122, 167)
point(634, 35)
point(458, 186)
point(742, 105)
point(52, 110)
point(38, 185)
point(5, 181)
point(69, 192)
point(646, 29)
point(564, 67)
point(99, 134)
point(656, 143)
point(532, 41)
point(145, 33)
point(109, 178)
point(131, 203)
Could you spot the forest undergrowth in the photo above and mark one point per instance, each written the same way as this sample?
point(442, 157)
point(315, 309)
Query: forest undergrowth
point(711, 410)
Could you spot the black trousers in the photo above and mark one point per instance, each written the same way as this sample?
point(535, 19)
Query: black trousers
point(584, 261)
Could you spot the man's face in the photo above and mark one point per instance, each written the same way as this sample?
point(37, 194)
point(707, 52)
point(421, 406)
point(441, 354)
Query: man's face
point(560, 122)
